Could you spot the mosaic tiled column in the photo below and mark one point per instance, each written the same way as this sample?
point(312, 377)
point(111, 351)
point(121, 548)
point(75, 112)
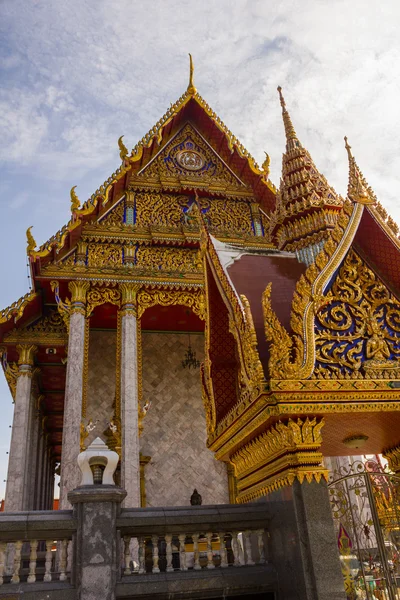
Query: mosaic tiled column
point(73, 392)
point(17, 496)
point(130, 460)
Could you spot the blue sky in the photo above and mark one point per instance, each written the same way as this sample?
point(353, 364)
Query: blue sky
point(76, 75)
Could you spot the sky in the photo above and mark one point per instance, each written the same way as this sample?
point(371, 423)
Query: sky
point(76, 75)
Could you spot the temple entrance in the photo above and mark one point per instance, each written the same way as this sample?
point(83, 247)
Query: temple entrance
point(365, 501)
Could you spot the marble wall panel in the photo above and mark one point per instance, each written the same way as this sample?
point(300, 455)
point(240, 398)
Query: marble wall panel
point(174, 432)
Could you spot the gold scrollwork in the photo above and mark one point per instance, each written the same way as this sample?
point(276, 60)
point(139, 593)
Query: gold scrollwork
point(193, 300)
point(104, 255)
point(358, 326)
point(102, 295)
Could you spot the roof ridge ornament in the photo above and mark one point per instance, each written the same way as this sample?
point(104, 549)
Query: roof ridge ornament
point(75, 202)
point(31, 244)
point(191, 87)
point(292, 140)
point(123, 150)
point(357, 190)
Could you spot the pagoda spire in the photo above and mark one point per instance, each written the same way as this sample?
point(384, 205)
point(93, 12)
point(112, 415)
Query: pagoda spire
point(292, 141)
point(358, 189)
point(191, 87)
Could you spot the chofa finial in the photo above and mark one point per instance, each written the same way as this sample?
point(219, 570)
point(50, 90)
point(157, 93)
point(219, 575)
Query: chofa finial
point(191, 87)
point(348, 147)
point(75, 202)
point(31, 244)
point(123, 150)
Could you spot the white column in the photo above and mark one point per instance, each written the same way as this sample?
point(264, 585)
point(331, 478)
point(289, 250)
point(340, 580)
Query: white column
point(70, 477)
point(39, 475)
point(34, 455)
point(130, 465)
point(18, 472)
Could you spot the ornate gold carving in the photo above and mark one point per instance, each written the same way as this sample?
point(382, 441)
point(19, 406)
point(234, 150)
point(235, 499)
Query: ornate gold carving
point(26, 353)
point(232, 482)
point(50, 330)
point(100, 255)
point(16, 309)
point(210, 171)
point(358, 328)
point(194, 300)
point(358, 190)
point(85, 373)
point(101, 295)
point(75, 202)
point(392, 455)
point(64, 308)
point(115, 217)
point(293, 357)
point(30, 240)
point(286, 452)
point(175, 260)
point(11, 372)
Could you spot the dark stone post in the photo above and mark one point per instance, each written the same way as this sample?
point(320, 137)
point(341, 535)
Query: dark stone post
point(96, 552)
point(302, 544)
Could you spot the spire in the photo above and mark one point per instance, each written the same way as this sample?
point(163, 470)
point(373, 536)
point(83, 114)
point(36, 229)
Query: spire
point(358, 189)
point(191, 89)
point(291, 136)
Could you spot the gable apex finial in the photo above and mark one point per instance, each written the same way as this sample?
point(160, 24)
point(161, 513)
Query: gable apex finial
point(358, 190)
point(191, 87)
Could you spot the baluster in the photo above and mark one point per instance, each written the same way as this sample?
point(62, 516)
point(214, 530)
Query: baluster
point(196, 566)
point(47, 574)
point(223, 553)
point(142, 565)
point(134, 551)
point(32, 561)
point(182, 552)
point(154, 541)
point(63, 560)
point(261, 546)
point(69, 556)
point(168, 539)
point(17, 562)
point(235, 549)
point(247, 545)
point(3, 547)
point(210, 564)
point(127, 555)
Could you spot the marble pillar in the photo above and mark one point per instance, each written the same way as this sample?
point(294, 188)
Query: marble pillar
point(130, 459)
point(17, 492)
point(70, 476)
point(33, 455)
point(39, 473)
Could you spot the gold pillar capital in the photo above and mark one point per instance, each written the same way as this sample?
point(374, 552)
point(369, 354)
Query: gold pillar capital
point(26, 353)
point(78, 290)
point(129, 292)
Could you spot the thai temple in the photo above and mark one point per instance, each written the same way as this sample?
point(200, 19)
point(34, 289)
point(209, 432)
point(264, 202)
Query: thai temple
point(231, 341)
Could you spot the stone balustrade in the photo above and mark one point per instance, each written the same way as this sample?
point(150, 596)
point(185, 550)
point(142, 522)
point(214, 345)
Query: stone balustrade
point(36, 547)
point(197, 538)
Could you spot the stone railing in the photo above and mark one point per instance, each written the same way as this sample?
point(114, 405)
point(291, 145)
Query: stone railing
point(36, 547)
point(218, 549)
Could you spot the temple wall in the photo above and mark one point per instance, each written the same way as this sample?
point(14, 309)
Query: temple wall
point(101, 380)
point(174, 432)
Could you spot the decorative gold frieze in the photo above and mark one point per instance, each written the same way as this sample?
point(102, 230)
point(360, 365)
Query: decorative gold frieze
point(286, 452)
point(100, 255)
point(48, 331)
